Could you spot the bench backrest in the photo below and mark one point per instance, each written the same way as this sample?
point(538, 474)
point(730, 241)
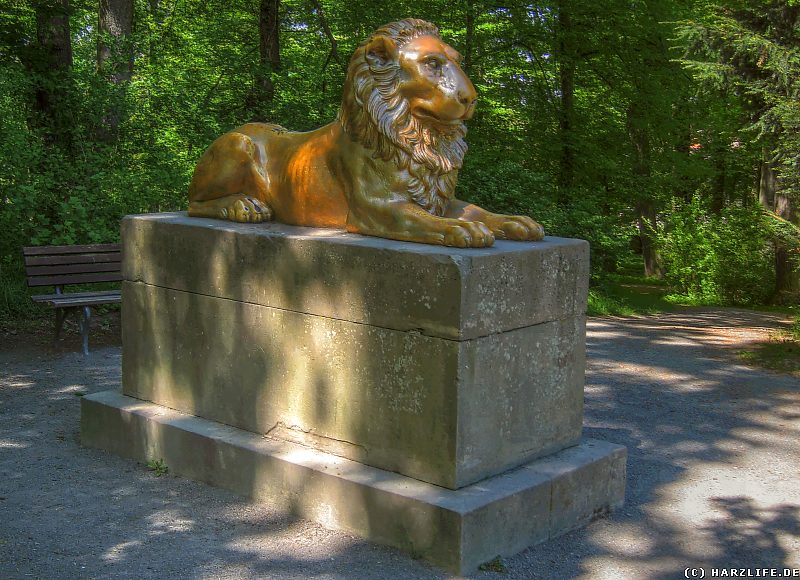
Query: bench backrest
point(60, 265)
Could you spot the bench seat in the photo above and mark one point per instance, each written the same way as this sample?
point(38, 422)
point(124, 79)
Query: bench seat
point(79, 298)
point(60, 266)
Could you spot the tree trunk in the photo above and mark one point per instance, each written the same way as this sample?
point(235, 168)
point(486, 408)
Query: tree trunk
point(52, 66)
point(566, 71)
point(333, 54)
point(114, 58)
point(115, 25)
point(469, 41)
point(269, 59)
point(645, 207)
point(646, 224)
point(787, 271)
point(719, 189)
point(767, 183)
point(774, 199)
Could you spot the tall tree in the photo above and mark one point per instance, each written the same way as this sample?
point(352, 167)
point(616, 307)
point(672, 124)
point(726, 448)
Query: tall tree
point(114, 53)
point(51, 64)
point(469, 40)
point(269, 58)
point(645, 206)
point(567, 61)
point(114, 58)
point(752, 48)
point(650, 84)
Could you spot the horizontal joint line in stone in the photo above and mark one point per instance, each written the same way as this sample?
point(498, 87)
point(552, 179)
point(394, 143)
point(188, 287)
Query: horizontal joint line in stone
point(417, 330)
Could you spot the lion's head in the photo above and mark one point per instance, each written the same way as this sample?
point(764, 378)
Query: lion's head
point(407, 98)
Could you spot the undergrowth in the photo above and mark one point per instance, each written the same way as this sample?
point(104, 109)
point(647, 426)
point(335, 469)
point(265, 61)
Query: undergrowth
point(630, 296)
point(781, 352)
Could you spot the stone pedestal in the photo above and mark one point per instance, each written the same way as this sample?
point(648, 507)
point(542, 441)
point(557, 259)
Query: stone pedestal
point(356, 379)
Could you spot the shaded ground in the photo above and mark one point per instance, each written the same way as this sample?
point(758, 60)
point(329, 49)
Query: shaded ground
point(38, 332)
point(713, 471)
point(781, 352)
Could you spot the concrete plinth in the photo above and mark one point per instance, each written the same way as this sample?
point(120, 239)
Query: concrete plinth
point(455, 529)
point(447, 365)
point(425, 397)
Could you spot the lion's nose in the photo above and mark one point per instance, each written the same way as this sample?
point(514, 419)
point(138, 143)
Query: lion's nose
point(467, 98)
point(466, 93)
point(469, 109)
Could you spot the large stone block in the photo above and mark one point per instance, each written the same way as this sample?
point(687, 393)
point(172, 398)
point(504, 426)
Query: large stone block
point(429, 398)
point(443, 411)
point(442, 364)
point(454, 529)
point(446, 292)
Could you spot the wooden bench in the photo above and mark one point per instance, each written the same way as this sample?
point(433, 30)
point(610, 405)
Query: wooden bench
point(59, 266)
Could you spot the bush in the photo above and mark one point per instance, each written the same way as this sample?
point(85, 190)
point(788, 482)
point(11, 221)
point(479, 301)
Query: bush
point(506, 186)
point(719, 259)
point(74, 193)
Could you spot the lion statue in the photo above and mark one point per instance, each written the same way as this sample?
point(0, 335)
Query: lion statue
point(387, 166)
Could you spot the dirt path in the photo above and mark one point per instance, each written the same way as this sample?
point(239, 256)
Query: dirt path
point(713, 474)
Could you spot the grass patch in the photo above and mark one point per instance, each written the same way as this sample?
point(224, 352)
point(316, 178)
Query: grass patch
point(780, 353)
point(630, 296)
point(495, 565)
point(789, 310)
point(158, 467)
point(15, 299)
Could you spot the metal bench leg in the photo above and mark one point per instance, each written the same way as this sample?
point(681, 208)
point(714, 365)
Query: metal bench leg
point(61, 313)
point(87, 315)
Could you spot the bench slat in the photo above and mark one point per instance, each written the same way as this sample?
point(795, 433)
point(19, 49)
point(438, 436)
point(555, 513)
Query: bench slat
point(68, 300)
point(55, 250)
point(63, 265)
point(73, 259)
point(98, 293)
point(113, 295)
point(75, 279)
point(35, 271)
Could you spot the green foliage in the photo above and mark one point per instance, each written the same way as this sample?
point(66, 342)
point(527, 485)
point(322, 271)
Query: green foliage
point(618, 295)
point(794, 330)
point(15, 302)
point(497, 566)
point(781, 352)
point(725, 258)
point(508, 186)
point(158, 467)
point(752, 48)
point(114, 149)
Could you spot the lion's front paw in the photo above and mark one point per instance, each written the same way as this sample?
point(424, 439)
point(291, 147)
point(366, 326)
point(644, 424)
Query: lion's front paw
point(519, 227)
point(468, 235)
point(247, 210)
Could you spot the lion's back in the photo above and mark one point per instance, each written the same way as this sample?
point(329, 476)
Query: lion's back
point(262, 132)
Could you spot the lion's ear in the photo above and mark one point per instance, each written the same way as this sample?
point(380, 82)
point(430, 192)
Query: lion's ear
point(380, 51)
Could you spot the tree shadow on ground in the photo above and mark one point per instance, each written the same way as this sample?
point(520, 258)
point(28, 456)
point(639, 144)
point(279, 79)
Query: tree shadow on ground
point(749, 533)
point(712, 458)
point(711, 476)
point(70, 511)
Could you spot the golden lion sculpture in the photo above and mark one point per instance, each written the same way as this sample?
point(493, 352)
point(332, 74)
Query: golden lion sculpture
point(387, 166)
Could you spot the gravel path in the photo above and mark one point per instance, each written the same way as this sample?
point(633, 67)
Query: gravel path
point(713, 474)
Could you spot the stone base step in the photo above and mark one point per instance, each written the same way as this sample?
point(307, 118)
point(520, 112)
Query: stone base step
point(454, 529)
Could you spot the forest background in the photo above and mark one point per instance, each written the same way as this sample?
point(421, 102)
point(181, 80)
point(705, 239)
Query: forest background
point(666, 132)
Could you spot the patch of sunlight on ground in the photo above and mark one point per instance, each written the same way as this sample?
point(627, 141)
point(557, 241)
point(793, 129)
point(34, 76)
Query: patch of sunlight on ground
point(8, 444)
point(117, 553)
point(168, 522)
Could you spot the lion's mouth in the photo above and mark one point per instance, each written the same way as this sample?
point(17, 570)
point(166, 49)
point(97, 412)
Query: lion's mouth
point(430, 118)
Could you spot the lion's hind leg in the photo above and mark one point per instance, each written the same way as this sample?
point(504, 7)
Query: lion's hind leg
point(229, 181)
point(236, 207)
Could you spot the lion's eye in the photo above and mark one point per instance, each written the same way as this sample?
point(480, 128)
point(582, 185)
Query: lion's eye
point(433, 64)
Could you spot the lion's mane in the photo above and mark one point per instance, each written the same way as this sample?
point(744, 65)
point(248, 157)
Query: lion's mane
point(375, 114)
